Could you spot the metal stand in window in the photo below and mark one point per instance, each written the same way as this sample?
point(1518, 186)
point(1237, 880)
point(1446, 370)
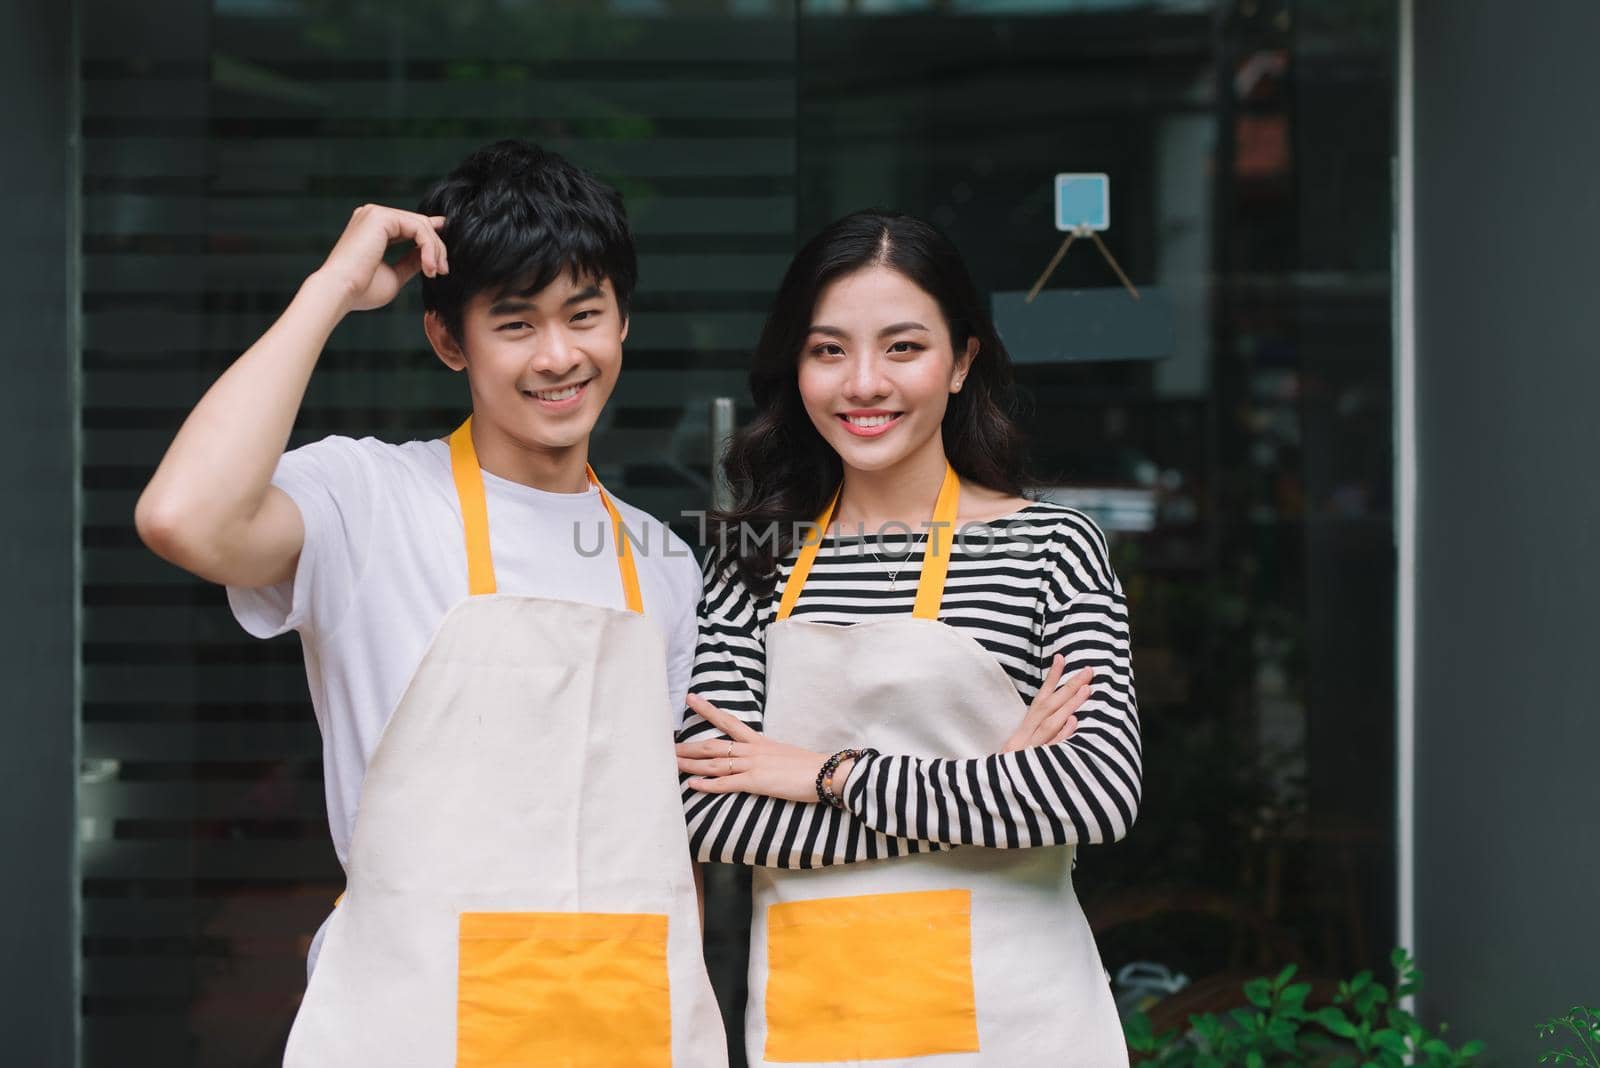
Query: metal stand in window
point(1082, 230)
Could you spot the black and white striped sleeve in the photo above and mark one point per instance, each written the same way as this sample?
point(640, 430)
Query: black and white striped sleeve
point(1083, 790)
point(730, 672)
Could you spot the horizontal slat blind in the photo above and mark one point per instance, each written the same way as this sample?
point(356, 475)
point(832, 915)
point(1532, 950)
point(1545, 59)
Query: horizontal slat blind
point(224, 148)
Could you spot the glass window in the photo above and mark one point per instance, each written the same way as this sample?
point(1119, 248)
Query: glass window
point(1242, 473)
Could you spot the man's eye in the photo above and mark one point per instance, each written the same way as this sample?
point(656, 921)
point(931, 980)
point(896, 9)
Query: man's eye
point(517, 325)
point(585, 314)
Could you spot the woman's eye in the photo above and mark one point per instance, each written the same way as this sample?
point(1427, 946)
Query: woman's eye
point(828, 350)
point(905, 346)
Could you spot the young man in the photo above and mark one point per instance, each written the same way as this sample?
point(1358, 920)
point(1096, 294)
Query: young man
point(497, 700)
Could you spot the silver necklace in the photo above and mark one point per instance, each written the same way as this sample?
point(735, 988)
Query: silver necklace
point(895, 574)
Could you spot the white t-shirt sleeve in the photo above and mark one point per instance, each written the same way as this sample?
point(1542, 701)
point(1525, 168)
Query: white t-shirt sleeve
point(335, 483)
point(683, 629)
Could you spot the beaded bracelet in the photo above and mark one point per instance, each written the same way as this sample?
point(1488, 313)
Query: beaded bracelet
point(825, 792)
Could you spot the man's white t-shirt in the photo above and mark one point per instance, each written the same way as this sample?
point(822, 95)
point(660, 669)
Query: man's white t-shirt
point(385, 558)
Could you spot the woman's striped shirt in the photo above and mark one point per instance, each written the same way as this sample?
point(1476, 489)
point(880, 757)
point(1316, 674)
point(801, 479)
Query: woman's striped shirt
point(1027, 586)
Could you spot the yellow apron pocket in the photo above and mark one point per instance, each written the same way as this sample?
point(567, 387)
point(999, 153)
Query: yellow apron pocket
point(874, 977)
point(577, 989)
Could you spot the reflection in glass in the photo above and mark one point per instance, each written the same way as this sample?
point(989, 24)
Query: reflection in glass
point(1243, 478)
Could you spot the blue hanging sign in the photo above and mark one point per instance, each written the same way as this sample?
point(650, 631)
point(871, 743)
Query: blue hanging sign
point(1083, 201)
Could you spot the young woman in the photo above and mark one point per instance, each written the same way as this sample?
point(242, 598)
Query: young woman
point(884, 610)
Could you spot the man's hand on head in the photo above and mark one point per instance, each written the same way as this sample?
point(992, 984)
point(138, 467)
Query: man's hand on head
point(356, 266)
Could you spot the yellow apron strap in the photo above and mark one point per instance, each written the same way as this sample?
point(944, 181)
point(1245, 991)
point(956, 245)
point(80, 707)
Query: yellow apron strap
point(619, 537)
point(475, 522)
point(808, 555)
point(474, 512)
point(941, 536)
point(935, 561)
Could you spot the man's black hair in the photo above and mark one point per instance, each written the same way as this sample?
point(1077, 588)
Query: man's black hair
point(516, 216)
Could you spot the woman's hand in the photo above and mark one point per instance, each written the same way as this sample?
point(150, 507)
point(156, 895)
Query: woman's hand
point(1052, 716)
point(746, 761)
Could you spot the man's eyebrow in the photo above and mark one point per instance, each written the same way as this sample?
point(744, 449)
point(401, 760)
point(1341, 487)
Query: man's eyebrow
point(586, 293)
point(510, 305)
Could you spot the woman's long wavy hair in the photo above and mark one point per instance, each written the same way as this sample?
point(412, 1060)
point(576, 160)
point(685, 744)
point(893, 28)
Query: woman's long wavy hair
point(780, 469)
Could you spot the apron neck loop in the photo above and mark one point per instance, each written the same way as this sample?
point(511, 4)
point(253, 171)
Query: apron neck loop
point(475, 522)
point(620, 538)
point(474, 510)
point(808, 555)
point(935, 560)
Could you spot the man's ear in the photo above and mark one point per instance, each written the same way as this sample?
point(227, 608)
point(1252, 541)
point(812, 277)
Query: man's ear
point(624, 335)
point(445, 346)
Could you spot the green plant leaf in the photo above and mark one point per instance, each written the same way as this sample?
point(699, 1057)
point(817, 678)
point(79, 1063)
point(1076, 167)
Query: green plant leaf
point(1392, 1041)
point(1139, 1033)
point(1332, 1019)
point(1268, 1027)
point(1208, 1027)
point(1367, 1000)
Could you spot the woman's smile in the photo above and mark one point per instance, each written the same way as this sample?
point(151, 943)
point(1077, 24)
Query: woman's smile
point(869, 423)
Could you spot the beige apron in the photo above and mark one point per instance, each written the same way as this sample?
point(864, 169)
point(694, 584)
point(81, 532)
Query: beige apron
point(969, 957)
point(519, 886)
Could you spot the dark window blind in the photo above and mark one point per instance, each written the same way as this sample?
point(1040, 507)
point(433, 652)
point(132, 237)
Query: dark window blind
point(224, 147)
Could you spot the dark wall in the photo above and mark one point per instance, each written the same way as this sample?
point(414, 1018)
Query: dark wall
point(1508, 317)
point(38, 472)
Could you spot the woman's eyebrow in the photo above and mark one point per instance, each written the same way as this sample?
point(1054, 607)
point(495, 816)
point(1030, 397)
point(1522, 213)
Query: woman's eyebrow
point(897, 328)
